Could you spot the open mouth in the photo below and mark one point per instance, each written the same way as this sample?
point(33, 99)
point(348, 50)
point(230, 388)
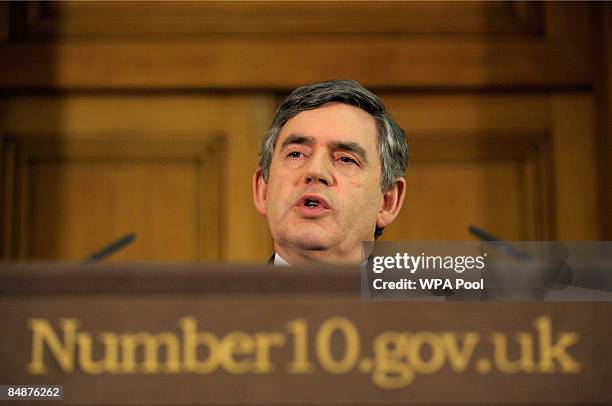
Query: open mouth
point(312, 204)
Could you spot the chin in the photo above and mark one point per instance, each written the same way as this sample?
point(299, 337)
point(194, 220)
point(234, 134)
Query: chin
point(311, 240)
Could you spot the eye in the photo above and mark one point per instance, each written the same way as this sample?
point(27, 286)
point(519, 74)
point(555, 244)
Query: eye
point(347, 160)
point(295, 154)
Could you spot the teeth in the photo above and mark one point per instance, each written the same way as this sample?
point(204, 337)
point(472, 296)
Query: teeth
point(311, 203)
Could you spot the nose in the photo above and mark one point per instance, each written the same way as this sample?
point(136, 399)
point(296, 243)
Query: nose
point(318, 171)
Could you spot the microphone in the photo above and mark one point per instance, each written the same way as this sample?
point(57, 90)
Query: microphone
point(498, 243)
point(110, 249)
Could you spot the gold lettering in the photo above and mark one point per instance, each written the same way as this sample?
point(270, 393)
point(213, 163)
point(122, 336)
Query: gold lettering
point(109, 361)
point(191, 342)
point(300, 363)
point(391, 365)
point(111, 344)
point(152, 343)
point(397, 356)
point(459, 358)
point(524, 363)
point(550, 352)
point(351, 345)
point(263, 342)
point(42, 333)
point(236, 344)
point(414, 348)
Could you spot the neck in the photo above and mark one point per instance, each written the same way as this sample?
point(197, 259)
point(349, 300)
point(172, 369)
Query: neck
point(297, 256)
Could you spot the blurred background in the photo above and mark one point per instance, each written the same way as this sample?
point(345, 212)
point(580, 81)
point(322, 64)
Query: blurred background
point(146, 117)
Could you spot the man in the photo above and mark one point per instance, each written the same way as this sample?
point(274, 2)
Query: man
point(331, 173)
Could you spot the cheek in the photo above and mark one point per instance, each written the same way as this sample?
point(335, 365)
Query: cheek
point(363, 202)
point(273, 197)
point(277, 197)
point(348, 171)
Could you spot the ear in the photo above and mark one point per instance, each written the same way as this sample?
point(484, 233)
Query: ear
point(391, 203)
point(260, 192)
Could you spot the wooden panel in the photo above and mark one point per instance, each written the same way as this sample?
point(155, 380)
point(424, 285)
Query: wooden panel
point(603, 97)
point(545, 145)
point(235, 45)
point(444, 198)
point(507, 77)
point(463, 114)
point(87, 205)
point(105, 188)
point(240, 17)
point(568, 21)
point(92, 116)
point(4, 21)
point(246, 307)
point(208, 145)
point(578, 204)
point(239, 64)
point(459, 179)
point(8, 197)
point(211, 201)
point(247, 238)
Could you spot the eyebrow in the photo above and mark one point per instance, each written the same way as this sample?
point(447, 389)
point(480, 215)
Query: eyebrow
point(297, 139)
point(352, 147)
point(347, 146)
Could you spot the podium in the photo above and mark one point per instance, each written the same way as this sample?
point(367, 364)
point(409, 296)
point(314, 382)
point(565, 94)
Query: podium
point(236, 334)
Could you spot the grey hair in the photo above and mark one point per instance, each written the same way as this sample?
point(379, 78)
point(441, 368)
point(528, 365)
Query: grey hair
point(392, 145)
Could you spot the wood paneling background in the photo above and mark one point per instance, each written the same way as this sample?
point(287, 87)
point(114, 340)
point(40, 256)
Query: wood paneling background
point(146, 117)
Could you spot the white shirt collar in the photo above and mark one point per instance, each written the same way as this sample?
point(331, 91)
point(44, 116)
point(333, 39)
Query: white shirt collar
point(279, 261)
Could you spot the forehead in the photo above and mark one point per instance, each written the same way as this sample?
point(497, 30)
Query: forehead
point(334, 122)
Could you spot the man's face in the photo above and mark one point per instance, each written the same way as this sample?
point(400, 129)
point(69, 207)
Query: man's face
point(323, 197)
